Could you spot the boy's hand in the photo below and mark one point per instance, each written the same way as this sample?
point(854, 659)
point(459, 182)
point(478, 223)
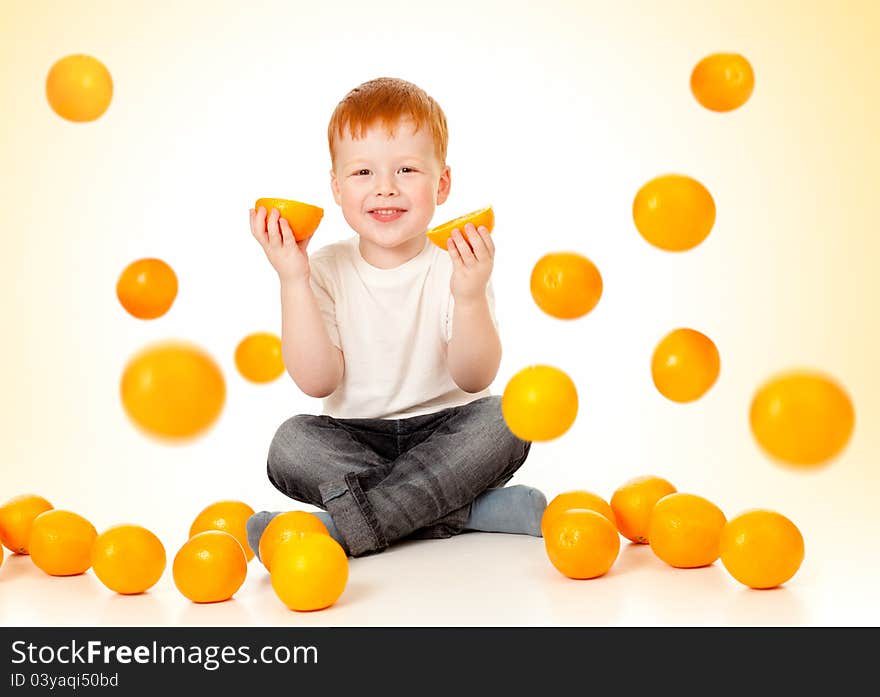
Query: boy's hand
point(471, 263)
point(287, 256)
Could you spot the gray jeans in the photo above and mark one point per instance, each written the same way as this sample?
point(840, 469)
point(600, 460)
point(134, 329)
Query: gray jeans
point(383, 480)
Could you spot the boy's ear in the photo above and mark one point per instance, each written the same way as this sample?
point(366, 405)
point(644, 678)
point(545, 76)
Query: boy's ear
point(334, 187)
point(444, 185)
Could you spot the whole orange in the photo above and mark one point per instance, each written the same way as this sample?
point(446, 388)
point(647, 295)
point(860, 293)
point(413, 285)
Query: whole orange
point(581, 543)
point(16, 517)
point(230, 516)
point(304, 218)
point(440, 234)
point(539, 403)
point(565, 285)
point(128, 559)
point(685, 530)
point(632, 502)
point(674, 212)
point(576, 499)
point(802, 418)
point(209, 567)
point(258, 357)
point(723, 81)
point(286, 526)
point(685, 365)
point(79, 88)
point(173, 390)
point(309, 572)
point(761, 548)
point(61, 543)
point(147, 288)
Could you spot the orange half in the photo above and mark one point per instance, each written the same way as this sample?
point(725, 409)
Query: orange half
point(438, 235)
point(304, 218)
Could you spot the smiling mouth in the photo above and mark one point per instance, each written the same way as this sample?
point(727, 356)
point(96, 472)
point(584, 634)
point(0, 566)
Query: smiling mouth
point(386, 214)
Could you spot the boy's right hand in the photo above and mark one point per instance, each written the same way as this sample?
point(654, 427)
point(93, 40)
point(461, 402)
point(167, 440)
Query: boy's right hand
point(287, 256)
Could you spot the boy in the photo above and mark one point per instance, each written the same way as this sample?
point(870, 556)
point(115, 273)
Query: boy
point(399, 339)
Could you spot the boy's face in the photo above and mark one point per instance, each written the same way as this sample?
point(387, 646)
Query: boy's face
point(388, 186)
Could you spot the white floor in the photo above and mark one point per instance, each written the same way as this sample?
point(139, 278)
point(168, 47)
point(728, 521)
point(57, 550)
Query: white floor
point(474, 579)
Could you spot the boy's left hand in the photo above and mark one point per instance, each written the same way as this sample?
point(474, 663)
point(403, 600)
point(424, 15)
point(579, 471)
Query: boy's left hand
point(471, 263)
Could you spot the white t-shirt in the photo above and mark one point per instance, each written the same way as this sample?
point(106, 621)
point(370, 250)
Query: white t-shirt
point(392, 326)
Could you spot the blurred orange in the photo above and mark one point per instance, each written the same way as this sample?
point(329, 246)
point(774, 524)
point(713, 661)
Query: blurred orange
point(309, 572)
point(61, 543)
point(128, 559)
point(802, 418)
point(16, 517)
point(539, 403)
point(722, 81)
point(147, 288)
point(674, 212)
point(685, 365)
point(565, 285)
point(209, 567)
point(685, 530)
point(304, 218)
point(581, 543)
point(576, 499)
point(79, 88)
point(230, 516)
point(173, 390)
point(761, 548)
point(258, 357)
point(286, 526)
point(440, 234)
point(633, 501)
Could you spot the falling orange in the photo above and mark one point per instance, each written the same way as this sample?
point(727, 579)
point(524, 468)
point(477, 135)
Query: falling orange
point(674, 212)
point(539, 403)
point(146, 288)
point(722, 81)
point(173, 390)
point(802, 417)
point(258, 357)
point(304, 218)
point(565, 285)
point(685, 365)
point(79, 88)
point(441, 233)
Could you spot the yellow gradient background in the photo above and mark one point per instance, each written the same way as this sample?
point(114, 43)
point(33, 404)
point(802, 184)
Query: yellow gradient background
point(558, 111)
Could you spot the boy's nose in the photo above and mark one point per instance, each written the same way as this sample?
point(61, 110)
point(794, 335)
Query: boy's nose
point(386, 187)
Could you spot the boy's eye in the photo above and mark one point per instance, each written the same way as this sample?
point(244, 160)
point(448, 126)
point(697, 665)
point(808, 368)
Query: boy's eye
point(361, 172)
point(407, 170)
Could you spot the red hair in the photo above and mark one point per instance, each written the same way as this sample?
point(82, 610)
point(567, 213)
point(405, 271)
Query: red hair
point(387, 100)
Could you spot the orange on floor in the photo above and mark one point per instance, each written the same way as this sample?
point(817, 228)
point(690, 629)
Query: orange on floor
point(539, 403)
point(685, 364)
point(209, 567)
point(761, 548)
point(565, 285)
point(723, 81)
point(304, 218)
point(128, 559)
point(441, 233)
point(578, 498)
point(674, 212)
point(286, 526)
point(229, 516)
point(61, 543)
point(79, 88)
point(147, 288)
point(802, 418)
point(16, 518)
point(309, 572)
point(633, 501)
point(581, 543)
point(685, 530)
point(173, 390)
